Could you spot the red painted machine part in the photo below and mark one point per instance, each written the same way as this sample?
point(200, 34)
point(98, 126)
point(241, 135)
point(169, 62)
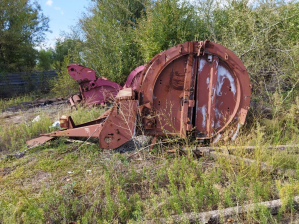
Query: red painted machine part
point(199, 86)
point(93, 90)
point(216, 92)
point(119, 126)
point(134, 77)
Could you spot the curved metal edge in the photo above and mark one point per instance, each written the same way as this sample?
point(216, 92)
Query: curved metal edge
point(160, 61)
point(157, 64)
point(146, 68)
point(102, 82)
point(132, 75)
point(243, 85)
point(80, 72)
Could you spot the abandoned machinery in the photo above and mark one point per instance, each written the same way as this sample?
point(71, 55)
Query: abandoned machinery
point(197, 87)
point(95, 90)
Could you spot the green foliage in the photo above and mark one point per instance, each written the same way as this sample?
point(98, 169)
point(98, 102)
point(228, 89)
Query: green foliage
point(88, 188)
point(56, 182)
point(64, 85)
point(110, 48)
point(65, 48)
point(22, 26)
point(45, 60)
point(5, 103)
point(55, 58)
point(62, 184)
point(13, 137)
point(166, 24)
point(262, 35)
point(120, 36)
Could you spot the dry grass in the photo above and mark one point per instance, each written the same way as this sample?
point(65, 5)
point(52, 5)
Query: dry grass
point(55, 183)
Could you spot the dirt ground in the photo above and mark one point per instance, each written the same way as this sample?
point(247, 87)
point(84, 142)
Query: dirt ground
point(27, 111)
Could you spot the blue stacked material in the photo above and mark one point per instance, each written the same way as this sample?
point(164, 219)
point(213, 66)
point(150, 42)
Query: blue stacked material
point(12, 84)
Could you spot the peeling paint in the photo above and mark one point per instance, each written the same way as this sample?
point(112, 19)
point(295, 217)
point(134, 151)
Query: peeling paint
point(217, 138)
point(87, 131)
point(236, 133)
point(217, 113)
point(223, 73)
point(203, 112)
point(213, 94)
point(201, 64)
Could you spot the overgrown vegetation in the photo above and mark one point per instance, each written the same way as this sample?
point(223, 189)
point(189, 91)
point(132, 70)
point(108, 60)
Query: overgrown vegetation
point(64, 85)
point(22, 27)
point(13, 137)
point(117, 36)
point(5, 103)
point(59, 182)
point(53, 59)
point(262, 33)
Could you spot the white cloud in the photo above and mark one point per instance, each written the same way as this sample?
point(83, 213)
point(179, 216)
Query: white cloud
point(49, 2)
point(59, 9)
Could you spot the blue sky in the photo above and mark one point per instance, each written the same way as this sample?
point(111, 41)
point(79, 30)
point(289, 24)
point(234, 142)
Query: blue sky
point(62, 14)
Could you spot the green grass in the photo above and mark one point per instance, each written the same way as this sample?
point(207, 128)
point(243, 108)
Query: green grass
point(5, 103)
point(13, 137)
point(53, 184)
point(56, 183)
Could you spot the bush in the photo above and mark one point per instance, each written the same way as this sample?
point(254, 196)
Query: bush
point(64, 85)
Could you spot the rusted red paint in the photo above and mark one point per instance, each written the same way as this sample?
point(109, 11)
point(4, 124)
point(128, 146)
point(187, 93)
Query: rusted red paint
point(133, 78)
point(186, 97)
point(222, 89)
point(74, 100)
point(119, 127)
point(125, 94)
point(38, 141)
point(94, 90)
point(66, 122)
point(196, 86)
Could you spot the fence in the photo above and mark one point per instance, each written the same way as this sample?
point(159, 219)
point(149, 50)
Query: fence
point(13, 84)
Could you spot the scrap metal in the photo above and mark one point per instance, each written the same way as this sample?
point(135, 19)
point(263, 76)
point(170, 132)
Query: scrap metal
point(198, 88)
point(98, 90)
point(94, 90)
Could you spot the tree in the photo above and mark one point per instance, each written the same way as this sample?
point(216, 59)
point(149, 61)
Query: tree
point(122, 34)
point(22, 26)
point(45, 59)
point(66, 48)
point(109, 45)
point(166, 24)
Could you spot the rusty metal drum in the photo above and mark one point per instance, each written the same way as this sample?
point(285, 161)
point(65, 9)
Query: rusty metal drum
point(196, 86)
